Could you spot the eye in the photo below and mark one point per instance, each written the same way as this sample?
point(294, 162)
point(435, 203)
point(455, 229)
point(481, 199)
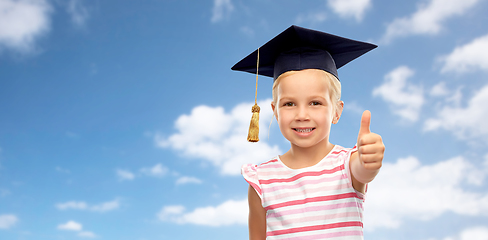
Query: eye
point(289, 104)
point(315, 103)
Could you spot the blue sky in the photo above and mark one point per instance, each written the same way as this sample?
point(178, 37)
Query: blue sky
point(123, 120)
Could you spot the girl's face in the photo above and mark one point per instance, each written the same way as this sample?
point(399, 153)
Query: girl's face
point(303, 108)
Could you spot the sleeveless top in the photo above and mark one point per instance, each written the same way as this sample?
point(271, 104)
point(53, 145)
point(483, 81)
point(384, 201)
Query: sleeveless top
point(317, 202)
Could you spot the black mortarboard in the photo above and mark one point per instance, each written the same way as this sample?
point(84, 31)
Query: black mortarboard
point(299, 48)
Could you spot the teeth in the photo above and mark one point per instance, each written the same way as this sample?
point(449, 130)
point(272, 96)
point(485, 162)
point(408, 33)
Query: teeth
point(303, 130)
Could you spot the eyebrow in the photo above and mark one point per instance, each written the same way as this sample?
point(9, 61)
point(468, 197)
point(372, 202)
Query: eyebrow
point(286, 98)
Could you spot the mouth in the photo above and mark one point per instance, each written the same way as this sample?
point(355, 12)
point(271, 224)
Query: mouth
point(303, 130)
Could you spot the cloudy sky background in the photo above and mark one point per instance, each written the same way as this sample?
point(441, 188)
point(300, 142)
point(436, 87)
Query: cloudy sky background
point(123, 120)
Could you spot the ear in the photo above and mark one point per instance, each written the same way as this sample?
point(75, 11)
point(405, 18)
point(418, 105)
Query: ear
point(338, 111)
point(273, 106)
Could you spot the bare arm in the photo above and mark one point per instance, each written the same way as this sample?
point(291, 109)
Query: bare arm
point(257, 216)
point(366, 162)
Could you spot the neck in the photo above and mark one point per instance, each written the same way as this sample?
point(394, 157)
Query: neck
point(298, 157)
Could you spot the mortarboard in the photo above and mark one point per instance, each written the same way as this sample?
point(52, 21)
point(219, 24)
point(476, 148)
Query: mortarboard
point(299, 48)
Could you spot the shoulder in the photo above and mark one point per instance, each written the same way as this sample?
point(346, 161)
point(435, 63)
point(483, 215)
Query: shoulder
point(254, 168)
point(253, 173)
point(251, 170)
point(339, 157)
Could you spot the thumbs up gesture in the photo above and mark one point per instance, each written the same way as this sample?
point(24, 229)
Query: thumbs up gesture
point(370, 145)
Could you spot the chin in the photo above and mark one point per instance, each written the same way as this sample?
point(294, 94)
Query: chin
point(309, 143)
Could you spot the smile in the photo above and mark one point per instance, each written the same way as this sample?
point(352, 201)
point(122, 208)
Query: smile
point(303, 130)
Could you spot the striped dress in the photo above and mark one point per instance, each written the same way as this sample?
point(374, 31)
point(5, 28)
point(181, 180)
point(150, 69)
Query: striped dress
point(317, 202)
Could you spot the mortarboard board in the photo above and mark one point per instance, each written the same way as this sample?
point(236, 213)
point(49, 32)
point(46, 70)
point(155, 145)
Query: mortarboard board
point(298, 48)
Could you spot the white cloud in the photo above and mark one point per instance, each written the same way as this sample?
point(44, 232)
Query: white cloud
point(472, 233)
point(228, 213)
point(125, 175)
point(87, 234)
point(70, 226)
point(353, 107)
point(106, 206)
point(350, 8)
point(157, 171)
point(409, 190)
point(187, 180)
point(80, 205)
point(428, 19)
point(466, 123)
point(211, 134)
point(72, 205)
point(221, 9)
point(170, 211)
point(79, 13)
point(404, 98)
point(312, 18)
point(439, 90)
point(77, 227)
point(22, 22)
point(447, 96)
point(467, 58)
point(7, 221)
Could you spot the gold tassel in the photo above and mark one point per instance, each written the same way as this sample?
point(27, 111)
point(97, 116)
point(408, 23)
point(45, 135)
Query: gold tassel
point(253, 135)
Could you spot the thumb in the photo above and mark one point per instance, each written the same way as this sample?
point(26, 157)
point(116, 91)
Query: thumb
point(365, 122)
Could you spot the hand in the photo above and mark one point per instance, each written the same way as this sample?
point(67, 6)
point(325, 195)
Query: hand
point(370, 145)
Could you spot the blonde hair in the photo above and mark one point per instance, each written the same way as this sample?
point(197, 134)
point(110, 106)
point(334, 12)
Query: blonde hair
point(334, 86)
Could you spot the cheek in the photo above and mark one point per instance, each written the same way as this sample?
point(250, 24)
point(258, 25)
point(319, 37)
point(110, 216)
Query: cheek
point(325, 116)
point(283, 116)
point(278, 115)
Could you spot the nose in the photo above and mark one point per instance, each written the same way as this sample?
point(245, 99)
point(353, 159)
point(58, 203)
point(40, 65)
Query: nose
point(302, 114)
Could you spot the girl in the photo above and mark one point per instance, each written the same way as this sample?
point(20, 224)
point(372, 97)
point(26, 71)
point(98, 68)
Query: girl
point(316, 189)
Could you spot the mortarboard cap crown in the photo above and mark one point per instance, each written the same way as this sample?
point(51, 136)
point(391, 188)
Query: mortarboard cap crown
point(299, 48)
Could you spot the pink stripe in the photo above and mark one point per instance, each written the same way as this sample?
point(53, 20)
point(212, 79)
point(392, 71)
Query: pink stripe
point(313, 209)
point(328, 235)
point(315, 228)
point(314, 199)
point(337, 152)
point(305, 174)
point(314, 218)
point(268, 162)
point(300, 184)
point(305, 191)
point(275, 166)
